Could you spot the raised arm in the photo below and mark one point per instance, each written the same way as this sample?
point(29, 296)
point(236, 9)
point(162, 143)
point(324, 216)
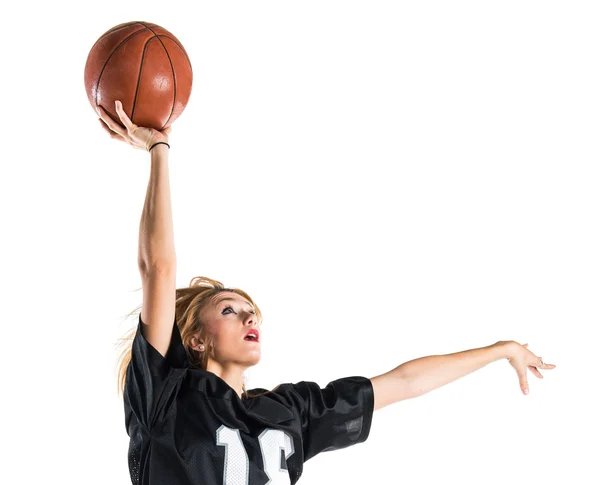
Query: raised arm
point(156, 250)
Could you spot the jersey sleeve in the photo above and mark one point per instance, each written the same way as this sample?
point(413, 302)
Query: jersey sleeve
point(336, 416)
point(152, 380)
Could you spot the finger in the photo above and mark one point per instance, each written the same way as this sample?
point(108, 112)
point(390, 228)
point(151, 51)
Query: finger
point(536, 372)
point(523, 380)
point(538, 363)
point(123, 117)
point(166, 131)
point(113, 125)
point(109, 131)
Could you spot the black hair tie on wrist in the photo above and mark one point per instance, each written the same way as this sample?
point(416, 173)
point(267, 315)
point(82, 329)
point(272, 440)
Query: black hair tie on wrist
point(160, 143)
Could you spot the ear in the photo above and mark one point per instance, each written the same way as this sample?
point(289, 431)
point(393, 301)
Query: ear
point(195, 342)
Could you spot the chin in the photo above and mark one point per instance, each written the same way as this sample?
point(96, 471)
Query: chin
point(254, 361)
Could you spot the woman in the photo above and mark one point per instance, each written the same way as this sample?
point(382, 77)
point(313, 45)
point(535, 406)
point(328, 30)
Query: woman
point(188, 415)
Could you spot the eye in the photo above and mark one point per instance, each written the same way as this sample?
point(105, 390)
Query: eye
point(228, 307)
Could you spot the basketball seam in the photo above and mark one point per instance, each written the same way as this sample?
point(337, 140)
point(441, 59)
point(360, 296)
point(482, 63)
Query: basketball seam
point(110, 56)
point(174, 82)
point(176, 41)
point(178, 44)
point(137, 86)
point(172, 72)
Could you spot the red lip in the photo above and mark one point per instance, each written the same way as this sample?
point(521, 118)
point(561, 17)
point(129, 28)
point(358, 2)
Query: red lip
point(253, 332)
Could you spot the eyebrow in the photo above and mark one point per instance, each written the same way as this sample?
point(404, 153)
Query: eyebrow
point(234, 299)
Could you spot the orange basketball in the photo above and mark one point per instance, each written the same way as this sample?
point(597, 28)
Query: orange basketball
point(146, 68)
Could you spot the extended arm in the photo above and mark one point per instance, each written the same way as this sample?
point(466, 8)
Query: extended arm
point(419, 376)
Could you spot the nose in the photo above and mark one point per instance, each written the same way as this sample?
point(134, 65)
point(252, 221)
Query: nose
point(251, 318)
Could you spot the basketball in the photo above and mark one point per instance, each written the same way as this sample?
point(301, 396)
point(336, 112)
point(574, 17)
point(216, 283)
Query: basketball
point(145, 67)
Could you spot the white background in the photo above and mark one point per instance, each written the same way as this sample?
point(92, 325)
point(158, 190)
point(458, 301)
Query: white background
point(387, 180)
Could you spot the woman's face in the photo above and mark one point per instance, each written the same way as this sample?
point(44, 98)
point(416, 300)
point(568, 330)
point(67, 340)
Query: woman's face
point(228, 318)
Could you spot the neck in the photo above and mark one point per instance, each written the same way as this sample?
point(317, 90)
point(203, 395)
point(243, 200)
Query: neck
point(231, 375)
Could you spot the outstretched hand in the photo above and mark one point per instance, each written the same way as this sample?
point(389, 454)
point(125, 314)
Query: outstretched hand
point(136, 136)
point(522, 359)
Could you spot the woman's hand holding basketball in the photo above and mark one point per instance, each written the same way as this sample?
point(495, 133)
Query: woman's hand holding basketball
point(136, 136)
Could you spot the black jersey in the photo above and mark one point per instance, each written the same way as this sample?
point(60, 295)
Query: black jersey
point(187, 426)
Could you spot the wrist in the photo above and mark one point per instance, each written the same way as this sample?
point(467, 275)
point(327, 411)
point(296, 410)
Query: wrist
point(159, 152)
point(505, 348)
point(159, 147)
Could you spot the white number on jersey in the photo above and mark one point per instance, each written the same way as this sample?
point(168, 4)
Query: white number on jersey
point(271, 441)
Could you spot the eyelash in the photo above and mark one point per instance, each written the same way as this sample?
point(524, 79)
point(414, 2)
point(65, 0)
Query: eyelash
point(228, 306)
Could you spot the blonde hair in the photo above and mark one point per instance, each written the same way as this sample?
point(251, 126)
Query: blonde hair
point(189, 303)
